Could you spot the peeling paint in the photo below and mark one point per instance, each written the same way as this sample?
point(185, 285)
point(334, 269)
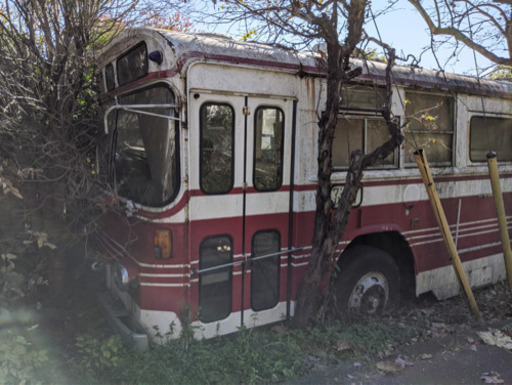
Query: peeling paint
point(443, 282)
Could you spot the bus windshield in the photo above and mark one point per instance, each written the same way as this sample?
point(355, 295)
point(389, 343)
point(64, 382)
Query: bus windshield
point(145, 148)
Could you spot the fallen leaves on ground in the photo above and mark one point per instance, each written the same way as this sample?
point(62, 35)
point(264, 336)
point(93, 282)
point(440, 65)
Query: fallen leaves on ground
point(492, 378)
point(393, 367)
point(496, 338)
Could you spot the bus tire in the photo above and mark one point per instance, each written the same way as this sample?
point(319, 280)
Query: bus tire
point(368, 284)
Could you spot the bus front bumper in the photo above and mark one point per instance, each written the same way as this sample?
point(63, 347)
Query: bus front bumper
point(122, 321)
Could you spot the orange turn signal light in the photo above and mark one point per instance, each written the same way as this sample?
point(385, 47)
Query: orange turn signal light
point(163, 244)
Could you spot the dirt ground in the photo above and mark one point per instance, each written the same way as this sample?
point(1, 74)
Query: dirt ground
point(458, 349)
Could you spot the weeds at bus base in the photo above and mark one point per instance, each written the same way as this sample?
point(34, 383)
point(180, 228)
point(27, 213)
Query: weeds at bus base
point(93, 354)
point(253, 356)
point(250, 356)
point(98, 356)
point(258, 355)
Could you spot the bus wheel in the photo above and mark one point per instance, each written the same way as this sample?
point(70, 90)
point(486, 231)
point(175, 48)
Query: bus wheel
point(368, 282)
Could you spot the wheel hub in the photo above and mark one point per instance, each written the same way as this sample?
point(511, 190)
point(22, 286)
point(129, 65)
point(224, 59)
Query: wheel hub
point(370, 294)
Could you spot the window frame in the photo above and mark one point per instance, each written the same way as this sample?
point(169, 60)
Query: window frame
point(379, 91)
point(279, 109)
point(127, 53)
point(107, 85)
point(177, 143)
point(453, 131)
point(350, 114)
point(482, 115)
point(232, 174)
point(277, 257)
point(229, 282)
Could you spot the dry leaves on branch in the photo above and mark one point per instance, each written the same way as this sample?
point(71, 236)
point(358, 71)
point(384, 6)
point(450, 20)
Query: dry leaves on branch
point(41, 238)
point(7, 187)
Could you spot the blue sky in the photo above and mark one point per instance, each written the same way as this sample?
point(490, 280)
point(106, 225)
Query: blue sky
point(405, 30)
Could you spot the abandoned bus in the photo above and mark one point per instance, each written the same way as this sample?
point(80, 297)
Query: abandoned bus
point(210, 143)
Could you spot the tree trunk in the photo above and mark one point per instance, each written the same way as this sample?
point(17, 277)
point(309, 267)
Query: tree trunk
point(329, 228)
point(310, 295)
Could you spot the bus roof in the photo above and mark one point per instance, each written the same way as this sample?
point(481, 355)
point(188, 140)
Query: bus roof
point(186, 48)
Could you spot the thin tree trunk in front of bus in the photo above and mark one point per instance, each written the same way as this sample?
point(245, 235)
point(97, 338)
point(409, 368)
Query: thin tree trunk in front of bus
point(325, 241)
point(310, 296)
point(329, 227)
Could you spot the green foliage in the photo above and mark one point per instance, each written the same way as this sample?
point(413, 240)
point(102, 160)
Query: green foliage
point(97, 356)
point(187, 329)
point(249, 35)
point(22, 361)
point(502, 72)
point(24, 255)
point(249, 357)
point(374, 337)
point(351, 341)
point(372, 55)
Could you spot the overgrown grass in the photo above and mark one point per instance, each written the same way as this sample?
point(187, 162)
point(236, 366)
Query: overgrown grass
point(255, 355)
point(86, 351)
point(249, 357)
point(336, 340)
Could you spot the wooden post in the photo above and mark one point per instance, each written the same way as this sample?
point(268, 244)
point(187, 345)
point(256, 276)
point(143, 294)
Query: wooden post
point(421, 160)
point(492, 163)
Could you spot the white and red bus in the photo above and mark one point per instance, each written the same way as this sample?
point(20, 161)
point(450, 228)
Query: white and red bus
point(211, 145)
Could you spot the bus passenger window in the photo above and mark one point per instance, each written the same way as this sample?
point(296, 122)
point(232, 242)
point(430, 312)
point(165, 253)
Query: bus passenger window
point(430, 127)
point(363, 97)
point(265, 272)
point(215, 287)
point(490, 134)
point(268, 149)
point(348, 137)
point(360, 133)
point(216, 156)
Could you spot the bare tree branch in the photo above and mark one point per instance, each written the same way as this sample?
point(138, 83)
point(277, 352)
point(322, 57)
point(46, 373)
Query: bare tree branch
point(457, 19)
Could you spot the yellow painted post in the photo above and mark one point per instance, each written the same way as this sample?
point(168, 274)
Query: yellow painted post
point(492, 163)
point(421, 160)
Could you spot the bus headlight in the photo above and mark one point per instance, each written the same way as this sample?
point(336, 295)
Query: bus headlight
point(121, 277)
